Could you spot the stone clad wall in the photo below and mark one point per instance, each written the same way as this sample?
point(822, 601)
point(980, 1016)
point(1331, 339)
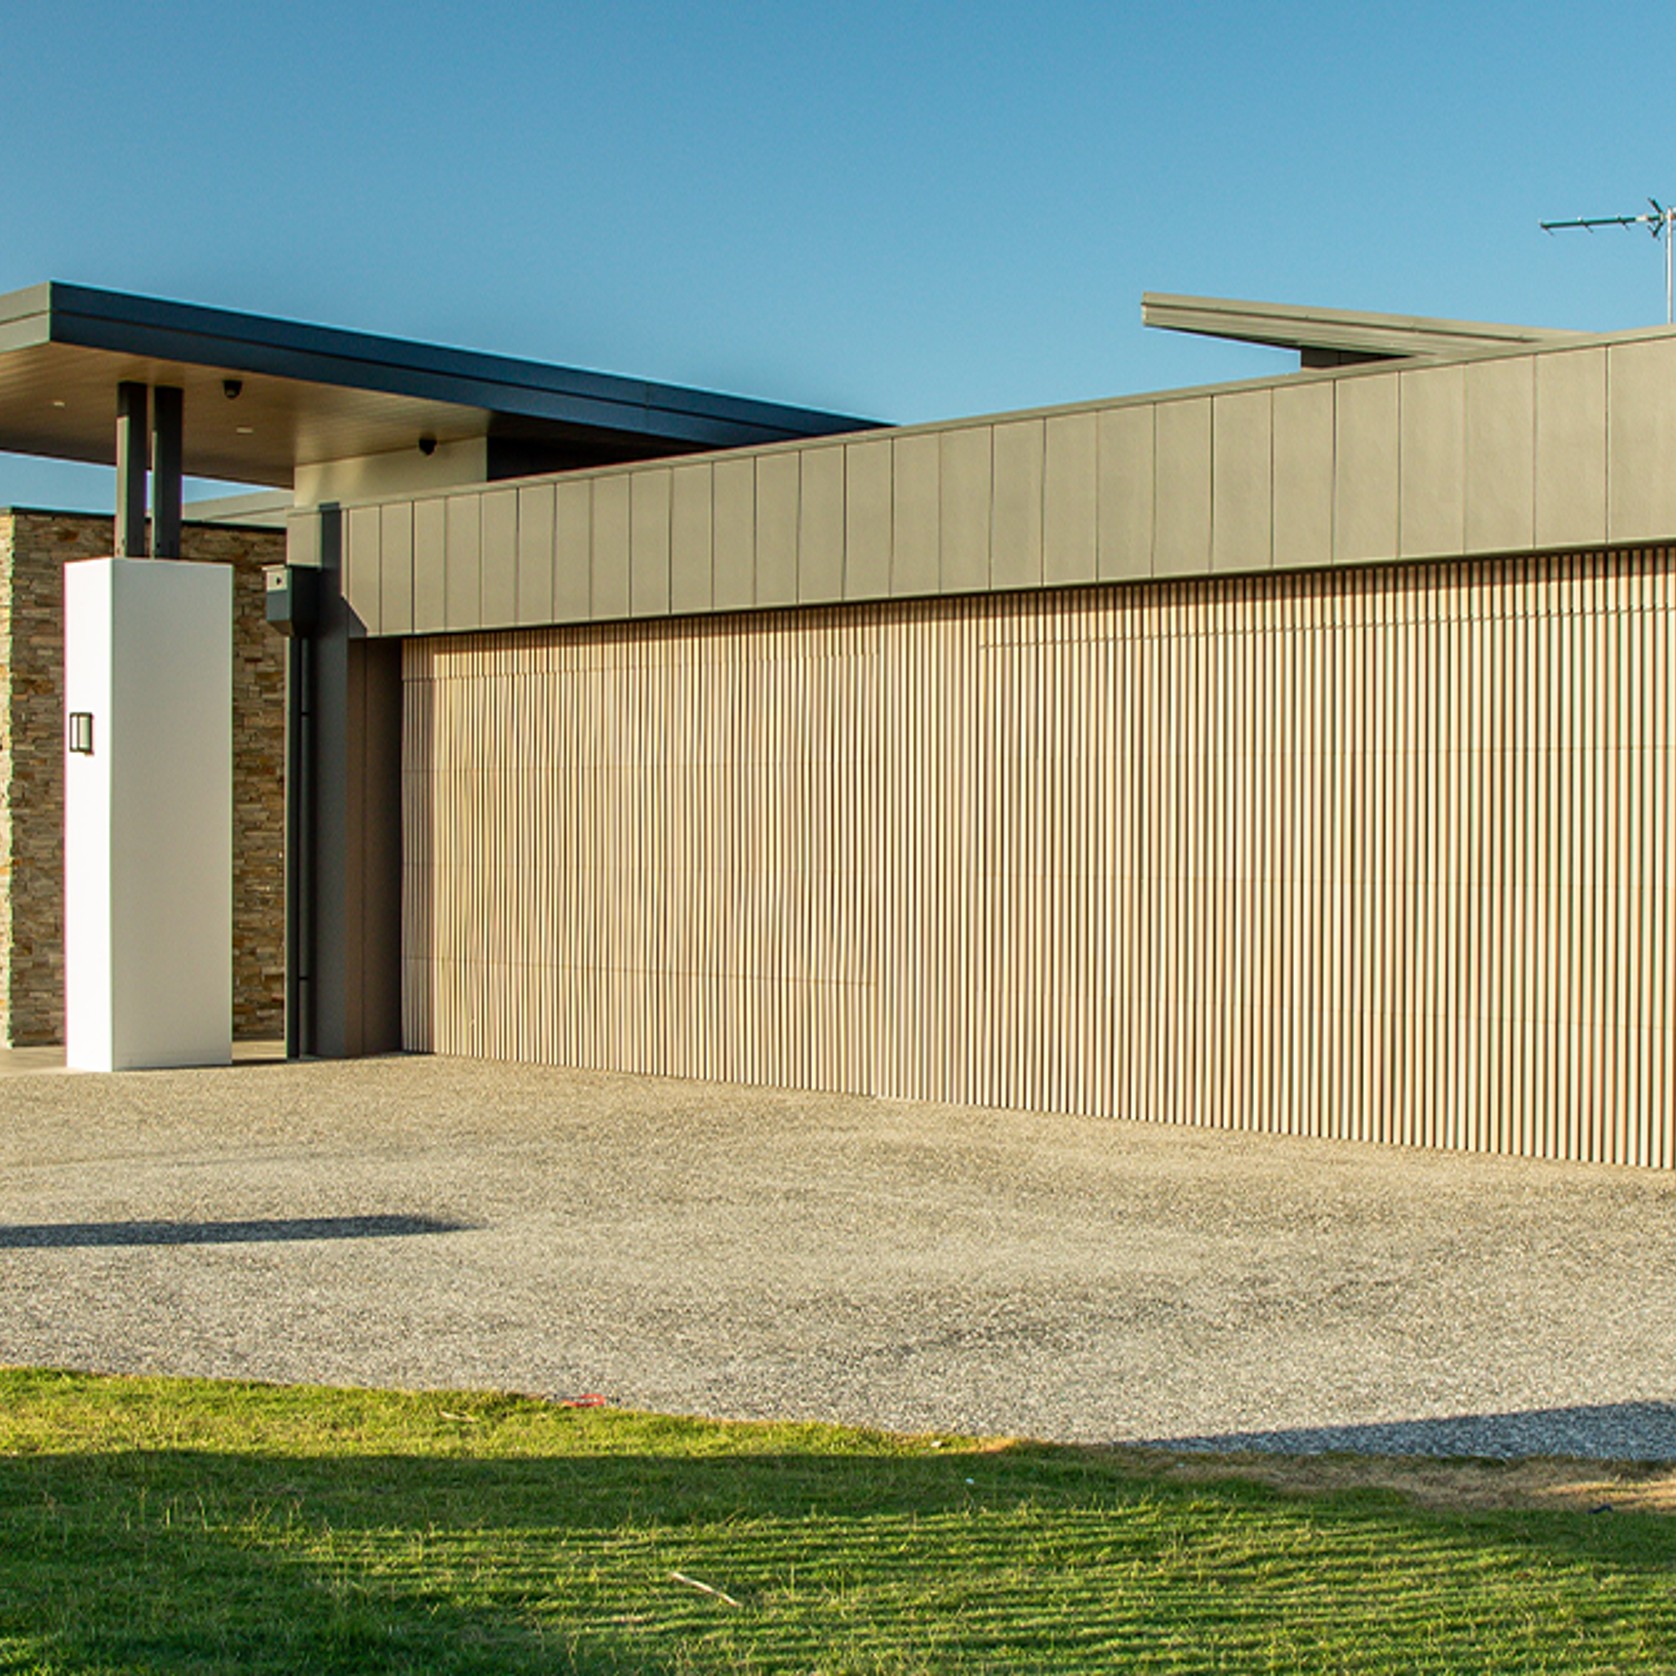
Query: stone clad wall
point(34, 547)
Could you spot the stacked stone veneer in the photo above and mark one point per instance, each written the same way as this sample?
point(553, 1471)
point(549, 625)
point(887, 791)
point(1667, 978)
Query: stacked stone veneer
point(34, 548)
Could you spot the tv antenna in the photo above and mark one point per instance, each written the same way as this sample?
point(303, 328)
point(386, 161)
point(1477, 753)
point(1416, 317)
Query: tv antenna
point(1657, 221)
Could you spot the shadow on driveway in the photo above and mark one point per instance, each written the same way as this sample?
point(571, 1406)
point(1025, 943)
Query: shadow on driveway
point(1626, 1431)
point(22, 1236)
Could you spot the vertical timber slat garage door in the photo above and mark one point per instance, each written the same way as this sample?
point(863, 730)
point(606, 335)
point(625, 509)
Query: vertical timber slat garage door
point(1378, 854)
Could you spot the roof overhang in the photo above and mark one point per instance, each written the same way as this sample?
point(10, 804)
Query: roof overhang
point(309, 394)
point(1323, 334)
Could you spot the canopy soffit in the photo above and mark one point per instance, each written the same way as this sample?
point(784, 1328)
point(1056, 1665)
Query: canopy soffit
point(307, 394)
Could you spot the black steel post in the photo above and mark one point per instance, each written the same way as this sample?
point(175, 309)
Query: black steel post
point(131, 440)
point(299, 832)
point(167, 424)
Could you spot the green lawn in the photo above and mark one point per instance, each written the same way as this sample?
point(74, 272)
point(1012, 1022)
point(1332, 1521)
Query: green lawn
point(159, 1525)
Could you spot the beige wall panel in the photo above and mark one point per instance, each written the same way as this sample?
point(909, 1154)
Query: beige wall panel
point(914, 536)
point(733, 560)
point(1641, 440)
point(573, 550)
point(302, 538)
point(1242, 479)
point(1015, 557)
point(1070, 500)
point(1181, 542)
point(689, 539)
point(778, 493)
point(609, 561)
point(1432, 492)
point(1365, 446)
point(395, 591)
point(1125, 492)
point(1500, 455)
point(966, 485)
point(867, 519)
point(1379, 855)
point(362, 564)
point(430, 565)
point(463, 573)
point(820, 525)
point(649, 513)
point(535, 554)
point(1571, 448)
point(1303, 475)
point(500, 558)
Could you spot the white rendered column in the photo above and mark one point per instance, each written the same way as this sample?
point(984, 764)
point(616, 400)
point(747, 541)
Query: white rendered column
point(148, 814)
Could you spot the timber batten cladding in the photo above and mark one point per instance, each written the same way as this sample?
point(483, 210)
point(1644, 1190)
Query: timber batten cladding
point(1381, 855)
point(1290, 756)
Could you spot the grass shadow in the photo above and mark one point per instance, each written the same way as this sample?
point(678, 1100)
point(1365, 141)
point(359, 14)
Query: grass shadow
point(569, 1552)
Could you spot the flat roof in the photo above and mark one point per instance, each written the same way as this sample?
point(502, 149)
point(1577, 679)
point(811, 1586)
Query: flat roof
point(315, 393)
point(1338, 331)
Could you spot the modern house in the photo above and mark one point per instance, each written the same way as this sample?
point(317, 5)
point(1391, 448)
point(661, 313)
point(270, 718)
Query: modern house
point(1291, 755)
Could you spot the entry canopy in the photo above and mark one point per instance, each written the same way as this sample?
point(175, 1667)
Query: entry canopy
point(263, 396)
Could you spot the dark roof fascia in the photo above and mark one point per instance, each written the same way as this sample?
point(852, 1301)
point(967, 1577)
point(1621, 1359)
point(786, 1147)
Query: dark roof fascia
point(89, 318)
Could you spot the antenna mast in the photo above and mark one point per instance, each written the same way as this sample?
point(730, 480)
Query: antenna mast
point(1659, 221)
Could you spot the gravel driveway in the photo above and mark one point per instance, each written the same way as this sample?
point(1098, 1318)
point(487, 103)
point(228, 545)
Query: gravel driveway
point(728, 1251)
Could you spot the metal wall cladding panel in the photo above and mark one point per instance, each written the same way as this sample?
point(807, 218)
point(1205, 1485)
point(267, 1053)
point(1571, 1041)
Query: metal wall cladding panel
point(820, 525)
point(1365, 468)
point(734, 554)
point(1641, 440)
point(1414, 883)
point(1015, 556)
point(362, 565)
point(965, 484)
point(1303, 475)
point(430, 566)
point(463, 573)
point(1500, 455)
point(535, 553)
point(867, 519)
point(1126, 492)
point(689, 538)
point(1181, 542)
point(1070, 499)
point(395, 581)
point(778, 493)
point(916, 515)
point(500, 558)
point(573, 550)
point(649, 537)
point(609, 564)
point(1571, 448)
point(1432, 492)
point(1242, 481)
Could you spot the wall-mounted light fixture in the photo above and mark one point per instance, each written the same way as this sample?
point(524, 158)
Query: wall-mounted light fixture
point(81, 732)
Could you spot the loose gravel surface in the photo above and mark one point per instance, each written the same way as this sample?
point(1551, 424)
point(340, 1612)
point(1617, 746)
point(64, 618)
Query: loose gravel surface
point(685, 1247)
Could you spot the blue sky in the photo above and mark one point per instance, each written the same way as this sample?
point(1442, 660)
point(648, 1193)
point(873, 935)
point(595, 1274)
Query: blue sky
point(907, 211)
